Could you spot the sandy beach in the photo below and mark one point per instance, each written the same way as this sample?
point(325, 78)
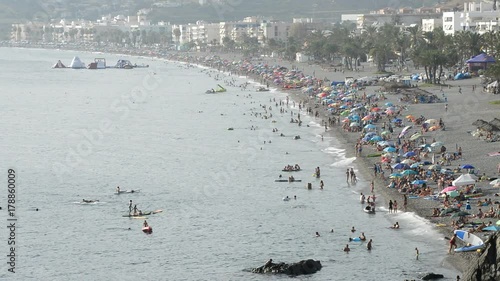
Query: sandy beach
point(460, 104)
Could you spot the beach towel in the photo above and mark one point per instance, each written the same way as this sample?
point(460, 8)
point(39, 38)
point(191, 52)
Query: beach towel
point(494, 153)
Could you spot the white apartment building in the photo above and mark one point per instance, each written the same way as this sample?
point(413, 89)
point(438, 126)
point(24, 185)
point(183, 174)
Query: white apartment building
point(236, 30)
point(204, 33)
point(429, 25)
point(477, 17)
point(274, 30)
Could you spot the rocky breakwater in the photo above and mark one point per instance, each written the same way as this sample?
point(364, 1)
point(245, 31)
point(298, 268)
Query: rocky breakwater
point(299, 268)
point(486, 266)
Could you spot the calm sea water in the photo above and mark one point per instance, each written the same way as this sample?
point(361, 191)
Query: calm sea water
point(77, 134)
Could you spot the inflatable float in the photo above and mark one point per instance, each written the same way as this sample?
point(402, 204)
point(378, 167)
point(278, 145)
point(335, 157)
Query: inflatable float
point(147, 229)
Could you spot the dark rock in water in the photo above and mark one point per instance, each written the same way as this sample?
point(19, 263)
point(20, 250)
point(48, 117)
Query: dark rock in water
point(299, 268)
point(432, 276)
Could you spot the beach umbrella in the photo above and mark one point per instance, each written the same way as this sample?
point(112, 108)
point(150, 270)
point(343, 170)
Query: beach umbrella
point(415, 165)
point(370, 134)
point(433, 128)
point(345, 120)
point(389, 111)
point(491, 228)
point(434, 167)
point(354, 124)
point(370, 126)
point(345, 113)
point(495, 182)
point(415, 136)
point(384, 133)
point(404, 131)
point(425, 145)
point(408, 161)
point(390, 149)
point(376, 138)
point(437, 144)
point(395, 175)
point(426, 162)
point(375, 109)
point(418, 182)
point(453, 193)
point(448, 189)
point(400, 166)
point(467, 166)
point(409, 172)
point(460, 214)
point(367, 117)
point(354, 117)
point(431, 121)
point(396, 120)
point(446, 171)
point(409, 116)
point(498, 222)
point(448, 210)
point(409, 154)
point(388, 104)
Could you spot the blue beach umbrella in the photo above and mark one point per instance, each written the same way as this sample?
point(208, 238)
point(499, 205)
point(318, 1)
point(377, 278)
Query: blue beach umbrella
point(409, 154)
point(370, 134)
point(376, 138)
point(370, 126)
point(395, 175)
point(400, 166)
point(415, 165)
point(491, 228)
point(390, 149)
point(418, 182)
point(396, 120)
point(388, 104)
point(409, 172)
point(467, 166)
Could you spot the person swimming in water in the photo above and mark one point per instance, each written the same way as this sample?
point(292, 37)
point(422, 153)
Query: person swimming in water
point(362, 236)
point(89, 201)
point(317, 234)
point(353, 229)
point(395, 226)
point(369, 245)
point(117, 189)
point(145, 224)
point(346, 248)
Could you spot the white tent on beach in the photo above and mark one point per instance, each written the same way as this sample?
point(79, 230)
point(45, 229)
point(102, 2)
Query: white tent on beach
point(465, 179)
point(77, 63)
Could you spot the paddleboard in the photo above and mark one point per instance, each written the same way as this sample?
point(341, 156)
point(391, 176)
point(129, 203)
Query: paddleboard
point(470, 239)
point(287, 181)
point(127, 191)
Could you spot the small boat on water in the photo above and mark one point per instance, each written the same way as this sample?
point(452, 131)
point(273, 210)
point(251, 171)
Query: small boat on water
point(99, 63)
